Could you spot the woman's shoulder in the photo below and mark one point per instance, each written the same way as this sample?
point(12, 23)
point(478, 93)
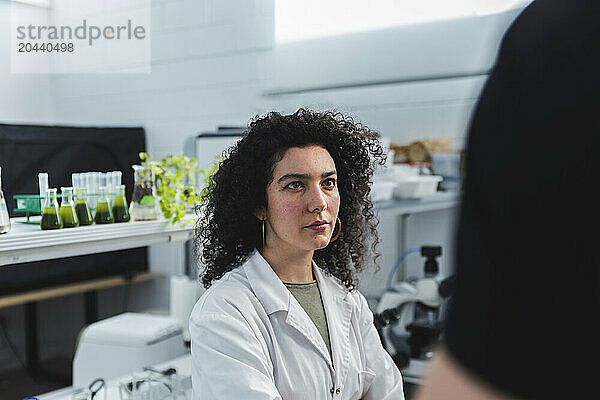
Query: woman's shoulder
point(228, 295)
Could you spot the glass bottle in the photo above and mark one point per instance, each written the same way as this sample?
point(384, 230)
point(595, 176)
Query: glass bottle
point(82, 209)
point(120, 210)
point(104, 213)
point(67, 208)
point(144, 205)
point(50, 214)
point(4, 217)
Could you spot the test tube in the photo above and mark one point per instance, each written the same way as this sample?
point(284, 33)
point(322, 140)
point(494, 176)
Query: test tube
point(116, 180)
point(94, 188)
point(43, 185)
point(75, 182)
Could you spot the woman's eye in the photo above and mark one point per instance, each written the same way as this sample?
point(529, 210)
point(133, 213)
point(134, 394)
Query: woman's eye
point(329, 182)
point(294, 185)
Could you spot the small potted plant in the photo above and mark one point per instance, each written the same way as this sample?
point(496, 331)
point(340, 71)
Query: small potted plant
point(176, 184)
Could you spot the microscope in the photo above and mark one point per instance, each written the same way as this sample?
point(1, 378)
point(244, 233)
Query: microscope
point(409, 316)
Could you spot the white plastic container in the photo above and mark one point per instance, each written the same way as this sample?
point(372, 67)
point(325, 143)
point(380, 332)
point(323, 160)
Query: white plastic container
point(382, 190)
point(416, 186)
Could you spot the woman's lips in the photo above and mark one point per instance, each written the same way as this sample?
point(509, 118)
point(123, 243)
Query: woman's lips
point(318, 228)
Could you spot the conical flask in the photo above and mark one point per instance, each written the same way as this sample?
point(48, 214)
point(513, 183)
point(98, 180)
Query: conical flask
point(120, 210)
point(4, 217)
point(50, 213)
point(104, 214)
point(82, 209)
point(67, 208)
point(144, 204)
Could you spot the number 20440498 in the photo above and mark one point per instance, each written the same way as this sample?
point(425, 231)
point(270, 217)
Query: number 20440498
point(45, 47)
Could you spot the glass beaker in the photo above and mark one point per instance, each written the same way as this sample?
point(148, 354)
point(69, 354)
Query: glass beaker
point(4, 217)
point(50, 214)
point(67, 208)
point(82, 209)
point(120, 210)
point(104, 213)
point(144, 205)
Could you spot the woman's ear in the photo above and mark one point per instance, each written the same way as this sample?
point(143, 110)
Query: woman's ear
point(260, 213)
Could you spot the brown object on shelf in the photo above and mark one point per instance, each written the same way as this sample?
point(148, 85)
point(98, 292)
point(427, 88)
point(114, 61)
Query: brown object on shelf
point(420, 150)
point(73, 288)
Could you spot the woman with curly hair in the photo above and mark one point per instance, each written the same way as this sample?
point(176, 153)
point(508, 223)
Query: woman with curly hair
point(287, 225)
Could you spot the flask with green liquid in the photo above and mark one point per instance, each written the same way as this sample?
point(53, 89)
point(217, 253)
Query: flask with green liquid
point(67, 208)
point(104, 214)
point(120, 210)
point(50, 214)
point(82, 208)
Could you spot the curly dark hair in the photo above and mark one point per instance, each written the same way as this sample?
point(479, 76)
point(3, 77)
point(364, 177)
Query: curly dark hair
point(229, 231)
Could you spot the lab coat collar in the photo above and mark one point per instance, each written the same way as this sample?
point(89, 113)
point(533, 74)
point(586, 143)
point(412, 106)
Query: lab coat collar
point(266, 285)
point(273, 294)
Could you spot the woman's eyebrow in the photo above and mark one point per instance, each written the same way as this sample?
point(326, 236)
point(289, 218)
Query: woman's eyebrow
point(304, 176)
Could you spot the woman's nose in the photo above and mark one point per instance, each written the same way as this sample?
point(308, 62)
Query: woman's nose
point(317, 202)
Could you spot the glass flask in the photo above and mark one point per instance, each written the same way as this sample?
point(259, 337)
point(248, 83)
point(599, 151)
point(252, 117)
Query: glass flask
point(67, 208)
point(144, 205)
point(50, 214)
point(120, 210)
point(4, 217)
point(104, 213)
point(82, 209)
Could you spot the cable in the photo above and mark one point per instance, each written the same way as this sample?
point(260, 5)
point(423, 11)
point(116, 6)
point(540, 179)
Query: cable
point(402, 257)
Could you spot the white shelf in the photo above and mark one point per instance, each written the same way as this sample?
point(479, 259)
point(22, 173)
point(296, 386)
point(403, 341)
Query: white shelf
point(434, 202)
point(26, 242)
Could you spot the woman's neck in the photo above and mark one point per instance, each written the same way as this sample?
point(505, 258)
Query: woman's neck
point(290, 266)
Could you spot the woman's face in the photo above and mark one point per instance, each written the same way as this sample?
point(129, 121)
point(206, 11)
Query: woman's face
point(303, 200)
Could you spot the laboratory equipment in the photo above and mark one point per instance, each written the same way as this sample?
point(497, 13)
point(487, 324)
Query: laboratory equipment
point(90, 392)
point(50, 213)
point(104, 214)
point(82, 209)
point(93, 186)
point(43, 186)
point(144, 205)
point(408, 317)
point(120, 210)
point(113, 182)
point(146, 385)
point(119, 345)
point(4, 217)
point(67, 208)
point(76, 182)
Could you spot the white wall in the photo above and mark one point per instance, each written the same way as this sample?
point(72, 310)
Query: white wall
point(215, 62)
point(23, 97)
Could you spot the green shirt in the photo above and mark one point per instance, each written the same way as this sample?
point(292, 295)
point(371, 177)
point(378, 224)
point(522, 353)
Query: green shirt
point(309, 297)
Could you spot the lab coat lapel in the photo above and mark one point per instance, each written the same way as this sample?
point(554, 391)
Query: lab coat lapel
point(274, 296)
point(338, 311)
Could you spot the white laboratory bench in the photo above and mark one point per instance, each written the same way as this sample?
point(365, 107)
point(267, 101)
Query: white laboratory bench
point(182, 364)
point(27, 242)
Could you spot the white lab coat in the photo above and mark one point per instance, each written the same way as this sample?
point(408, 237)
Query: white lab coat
point(252, 340)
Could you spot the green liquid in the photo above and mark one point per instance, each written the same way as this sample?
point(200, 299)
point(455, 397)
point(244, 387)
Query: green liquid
point(83, 213)
point(50, 219)
point(120, 210)
point(69, 216)
point(104, 214)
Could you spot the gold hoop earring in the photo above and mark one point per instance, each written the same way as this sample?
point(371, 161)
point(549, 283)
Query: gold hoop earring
point(333, 239)
point(263, 233)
